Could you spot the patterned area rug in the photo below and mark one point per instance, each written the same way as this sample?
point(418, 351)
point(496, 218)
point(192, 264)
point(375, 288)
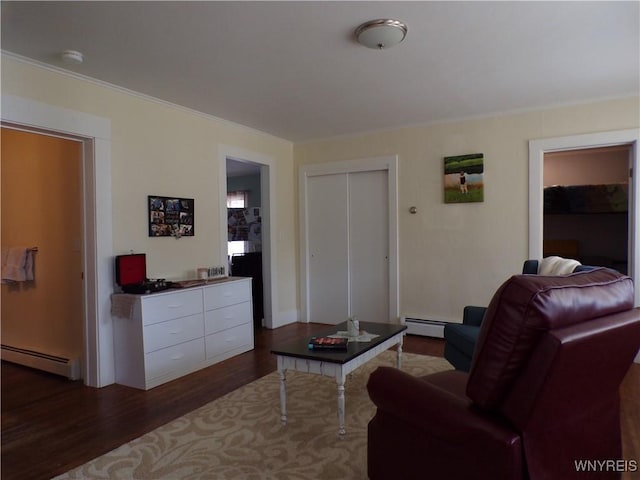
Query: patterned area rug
point(239, 436)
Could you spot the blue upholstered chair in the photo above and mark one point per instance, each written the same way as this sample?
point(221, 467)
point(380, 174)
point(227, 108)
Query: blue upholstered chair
point(460, 338)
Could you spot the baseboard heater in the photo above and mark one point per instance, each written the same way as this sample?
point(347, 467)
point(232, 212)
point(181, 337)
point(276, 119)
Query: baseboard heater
point(67, 367)
point(426, 328)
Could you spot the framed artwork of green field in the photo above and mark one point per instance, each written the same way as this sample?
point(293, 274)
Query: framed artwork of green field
point(464, 178)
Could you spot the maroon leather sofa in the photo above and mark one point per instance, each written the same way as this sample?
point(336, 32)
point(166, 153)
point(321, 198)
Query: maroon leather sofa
point(542, 393)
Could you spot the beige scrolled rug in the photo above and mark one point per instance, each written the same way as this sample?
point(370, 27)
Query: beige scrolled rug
point(239, 436)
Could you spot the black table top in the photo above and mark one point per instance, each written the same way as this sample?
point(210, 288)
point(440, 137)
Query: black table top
point(300, 348)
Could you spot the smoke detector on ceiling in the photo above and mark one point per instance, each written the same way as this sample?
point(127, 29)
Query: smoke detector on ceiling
point(72, 56)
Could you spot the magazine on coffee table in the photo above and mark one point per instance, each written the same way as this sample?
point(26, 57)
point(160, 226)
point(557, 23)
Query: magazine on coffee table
point(328, 343)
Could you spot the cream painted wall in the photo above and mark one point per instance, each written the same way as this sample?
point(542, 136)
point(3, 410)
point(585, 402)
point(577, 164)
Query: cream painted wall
point(450, 255)
point(160, 149)
point(453, 255)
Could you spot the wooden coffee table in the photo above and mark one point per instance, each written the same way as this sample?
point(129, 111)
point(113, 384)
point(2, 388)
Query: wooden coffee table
point(338, 364)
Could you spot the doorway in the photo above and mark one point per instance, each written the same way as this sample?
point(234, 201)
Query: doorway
point(42, 204)
point(244, 227)
point(272, 317)
point(95, 134)
point(586, 193)
point(537, 151)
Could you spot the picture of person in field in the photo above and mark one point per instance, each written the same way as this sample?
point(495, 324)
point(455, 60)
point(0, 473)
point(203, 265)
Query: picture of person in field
point(463, 183)
point(464, 178)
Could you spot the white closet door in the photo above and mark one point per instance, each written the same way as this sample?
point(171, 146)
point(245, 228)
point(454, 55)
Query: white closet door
point(369, 245)
point(327, 220)
point(348, 247)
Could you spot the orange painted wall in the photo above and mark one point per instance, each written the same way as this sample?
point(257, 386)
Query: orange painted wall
point(41, 207)
point(587, 167)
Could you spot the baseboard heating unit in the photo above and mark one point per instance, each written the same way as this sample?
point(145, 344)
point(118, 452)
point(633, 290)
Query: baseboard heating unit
point(426, 328)
point(67, 367)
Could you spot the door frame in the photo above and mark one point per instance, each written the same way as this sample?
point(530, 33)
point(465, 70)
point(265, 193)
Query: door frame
point(95, 134)
point(268, 213)
point(390, 165)
point(537, 149)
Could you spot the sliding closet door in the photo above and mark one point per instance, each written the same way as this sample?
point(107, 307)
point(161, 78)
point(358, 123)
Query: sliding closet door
point(327, 252)
point(347, 218)
point(369, 245)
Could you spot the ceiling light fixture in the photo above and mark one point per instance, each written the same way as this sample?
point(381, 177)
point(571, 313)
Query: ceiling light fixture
point(382, 33)
point(72, 56)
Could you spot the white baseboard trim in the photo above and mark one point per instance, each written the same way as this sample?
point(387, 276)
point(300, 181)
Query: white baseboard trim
point(284, 318)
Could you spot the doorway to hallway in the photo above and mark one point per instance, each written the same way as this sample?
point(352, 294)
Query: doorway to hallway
point(244, 226)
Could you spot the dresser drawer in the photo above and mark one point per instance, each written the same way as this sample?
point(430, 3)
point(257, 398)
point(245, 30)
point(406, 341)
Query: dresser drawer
point(180, 330)
point(227, 293)
point(182, 357)
point(227, 340)
point(227, 317)
point(166, 306)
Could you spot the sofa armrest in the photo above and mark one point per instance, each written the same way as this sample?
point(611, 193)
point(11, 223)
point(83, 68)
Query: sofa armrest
point(473, 315)
point(441, 413)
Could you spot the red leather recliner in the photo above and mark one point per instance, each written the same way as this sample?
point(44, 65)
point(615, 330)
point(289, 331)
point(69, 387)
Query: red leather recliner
point(542, 393)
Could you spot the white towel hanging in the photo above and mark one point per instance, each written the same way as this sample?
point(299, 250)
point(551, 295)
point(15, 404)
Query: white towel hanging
point(17, 265)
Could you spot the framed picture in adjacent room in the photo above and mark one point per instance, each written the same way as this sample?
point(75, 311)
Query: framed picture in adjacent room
point(464, 178)
point(171, 216)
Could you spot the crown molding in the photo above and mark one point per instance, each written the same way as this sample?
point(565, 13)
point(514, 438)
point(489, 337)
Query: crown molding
point(133, 93)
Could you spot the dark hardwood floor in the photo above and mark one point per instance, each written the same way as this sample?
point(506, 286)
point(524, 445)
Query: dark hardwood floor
point(51, 425)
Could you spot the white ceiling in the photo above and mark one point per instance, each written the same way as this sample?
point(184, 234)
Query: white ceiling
point(294, 69)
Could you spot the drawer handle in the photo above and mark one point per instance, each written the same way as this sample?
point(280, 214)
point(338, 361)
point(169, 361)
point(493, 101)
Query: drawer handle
point(175, 305)
point(175, 332)
point(228, 294)
point(230, 339)
point(177, 356)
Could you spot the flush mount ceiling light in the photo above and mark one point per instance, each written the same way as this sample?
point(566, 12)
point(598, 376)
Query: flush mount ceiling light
point(72, 56)
point(382, 33)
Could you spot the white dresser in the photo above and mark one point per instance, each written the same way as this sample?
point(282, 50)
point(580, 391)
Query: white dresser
point(169, 334)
